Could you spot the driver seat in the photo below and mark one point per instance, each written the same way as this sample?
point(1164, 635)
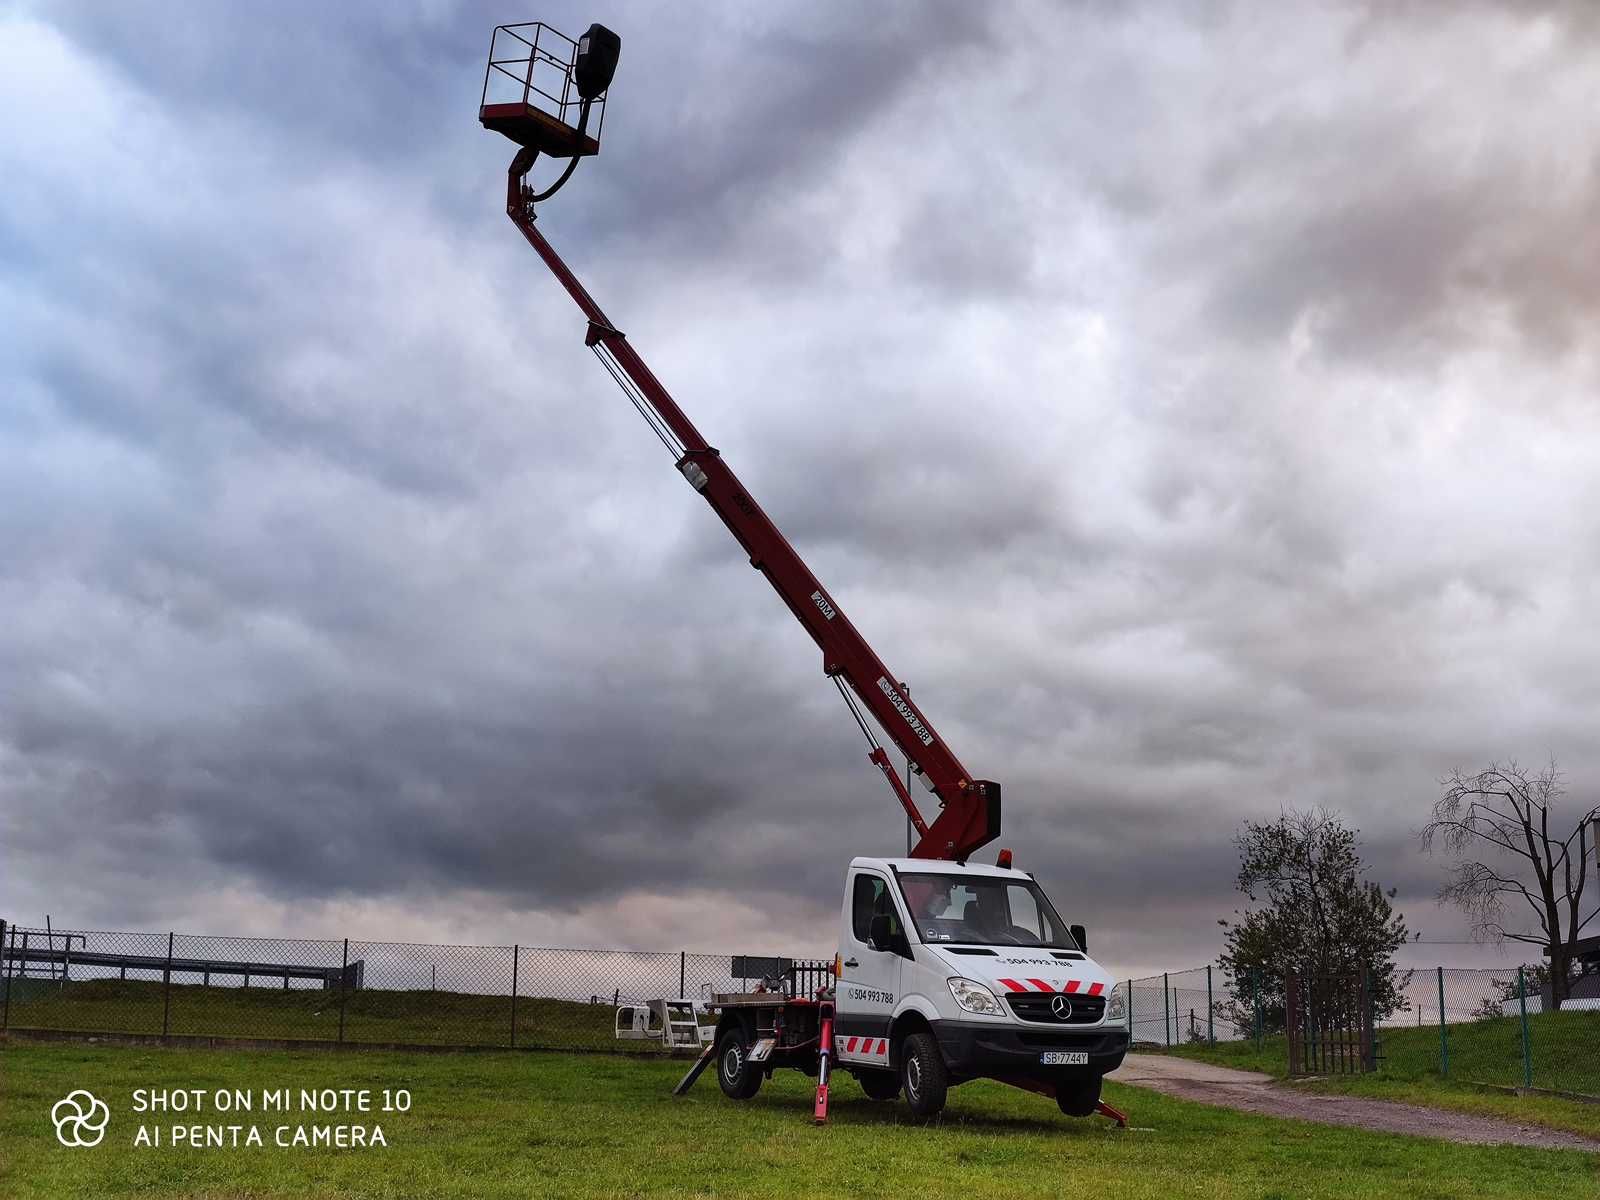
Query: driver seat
point(976, 917)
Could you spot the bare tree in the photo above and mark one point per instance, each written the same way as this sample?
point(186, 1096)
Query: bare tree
point(1502, 817)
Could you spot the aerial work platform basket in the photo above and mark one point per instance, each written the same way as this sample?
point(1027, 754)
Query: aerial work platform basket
point(546, 91)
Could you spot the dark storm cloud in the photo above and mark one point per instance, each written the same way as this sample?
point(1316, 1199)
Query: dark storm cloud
point(1389, 213)
point(1197, 412)
point(377, 82)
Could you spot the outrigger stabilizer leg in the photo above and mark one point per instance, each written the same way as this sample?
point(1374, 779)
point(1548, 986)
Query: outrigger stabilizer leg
point(824, 1053)
point(1049, 1089)
point(1105, 1110)
point(700, 1064)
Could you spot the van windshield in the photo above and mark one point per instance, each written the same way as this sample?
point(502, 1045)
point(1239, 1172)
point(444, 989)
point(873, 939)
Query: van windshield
point(983, 911)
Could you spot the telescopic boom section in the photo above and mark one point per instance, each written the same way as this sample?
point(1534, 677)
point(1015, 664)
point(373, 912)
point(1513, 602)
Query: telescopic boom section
point(970, 808)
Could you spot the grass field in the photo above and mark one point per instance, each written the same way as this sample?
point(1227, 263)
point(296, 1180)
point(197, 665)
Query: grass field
point(1564, 1051)
point(512, 1124)
point(371, 1015)
point(1564, 1048)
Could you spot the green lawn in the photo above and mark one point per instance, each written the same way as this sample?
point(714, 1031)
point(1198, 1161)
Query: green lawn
point(1564, 1048)
point(517, 1125)
point(420, 1017)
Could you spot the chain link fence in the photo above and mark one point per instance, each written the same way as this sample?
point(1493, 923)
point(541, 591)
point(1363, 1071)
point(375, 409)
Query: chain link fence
point(178, 985)
point(1496, 1026)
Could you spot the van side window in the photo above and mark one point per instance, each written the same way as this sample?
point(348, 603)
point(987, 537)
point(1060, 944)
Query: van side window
point(1024, 912)
point(864, 901)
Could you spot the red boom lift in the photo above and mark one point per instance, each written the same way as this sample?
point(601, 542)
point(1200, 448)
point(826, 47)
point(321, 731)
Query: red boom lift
point(546, 92)
point(539, 122)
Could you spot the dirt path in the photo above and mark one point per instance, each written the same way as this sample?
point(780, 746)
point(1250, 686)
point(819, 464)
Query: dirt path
point(1248, 1091)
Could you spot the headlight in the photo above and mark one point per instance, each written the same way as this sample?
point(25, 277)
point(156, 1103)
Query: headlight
point(975, 998)
point(1117, 1006)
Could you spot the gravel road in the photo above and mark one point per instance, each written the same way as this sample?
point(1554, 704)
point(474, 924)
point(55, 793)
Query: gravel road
point(1248, 1091)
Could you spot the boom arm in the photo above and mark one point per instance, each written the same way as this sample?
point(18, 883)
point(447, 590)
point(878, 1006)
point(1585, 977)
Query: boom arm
point(970, 815)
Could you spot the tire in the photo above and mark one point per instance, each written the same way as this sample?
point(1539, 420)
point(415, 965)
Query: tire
point(880, 1085)
point(739, 1078)
point(1077, 1096)
point(923, 1076)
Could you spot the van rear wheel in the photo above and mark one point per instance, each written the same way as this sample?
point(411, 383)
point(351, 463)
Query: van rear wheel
point(739, 1078)
point(923, 1076)
point(1078, 1097)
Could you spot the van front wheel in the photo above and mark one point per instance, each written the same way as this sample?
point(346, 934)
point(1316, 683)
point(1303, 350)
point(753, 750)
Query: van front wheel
point(1078, 1097)
point(923, 1076)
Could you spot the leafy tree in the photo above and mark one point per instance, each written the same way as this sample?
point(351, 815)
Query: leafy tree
point(1319, 915)
point(1502, 818)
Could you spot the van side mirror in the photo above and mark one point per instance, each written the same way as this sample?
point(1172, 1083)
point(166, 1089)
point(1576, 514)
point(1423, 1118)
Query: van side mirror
point(1081, 936)
point(880, 933)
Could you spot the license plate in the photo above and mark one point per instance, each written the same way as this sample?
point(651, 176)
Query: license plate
point(1064, 1058)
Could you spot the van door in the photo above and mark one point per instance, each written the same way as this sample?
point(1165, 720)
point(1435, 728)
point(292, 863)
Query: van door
point(869, 983)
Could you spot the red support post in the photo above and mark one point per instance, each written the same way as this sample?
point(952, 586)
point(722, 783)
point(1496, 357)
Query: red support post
point(824, 1053)
point(881, 758)
point(1044, 1088)
point(1105, 1110)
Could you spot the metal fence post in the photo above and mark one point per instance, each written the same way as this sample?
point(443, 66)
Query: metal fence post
point(515, 954)
point(5, 972)
point(344, 986)
point(1369, 1024)
point(166, 991)
point(1166, 1007)
point(1130, 1014)
point(1522, 1001)
point(1255, 1002)
point(1211, 1020)
point(1292, 1021)
point(683, 961)
point(1444, 1037)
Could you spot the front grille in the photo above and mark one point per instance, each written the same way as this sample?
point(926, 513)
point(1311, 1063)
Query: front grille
point(1035, 1006)
point(1060, 1039)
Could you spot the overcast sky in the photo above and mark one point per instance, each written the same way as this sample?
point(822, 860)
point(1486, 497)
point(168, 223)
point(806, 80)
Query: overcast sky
point(1198, 411)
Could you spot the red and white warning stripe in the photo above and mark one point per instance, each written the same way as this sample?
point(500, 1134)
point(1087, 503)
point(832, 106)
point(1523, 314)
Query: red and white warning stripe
point(864, 1047)
point(1072, 985)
